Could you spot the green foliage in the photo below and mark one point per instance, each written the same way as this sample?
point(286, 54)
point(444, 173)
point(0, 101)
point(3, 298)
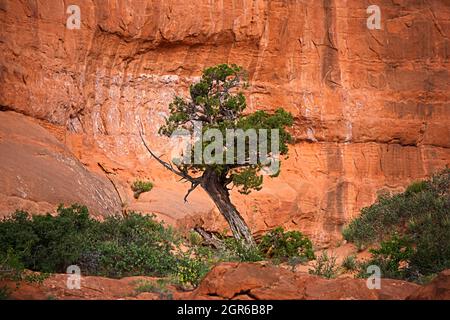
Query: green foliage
point(278, 246)
point(140, 187)
point(12, 268)
point(236, 250)
point(281, 244)
point(190, 271)
point(218, 103)
point(247, 179)
point(5, 293)
point(35, 277)
point(325, 266)
point(195, 239)
point(134, 245)
point(296, 260)
point(10, 265)
point(416, 187)
point(392, 258)
point(422, 214)
point(350, 263)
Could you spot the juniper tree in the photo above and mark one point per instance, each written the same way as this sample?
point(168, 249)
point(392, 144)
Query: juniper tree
point(215, 108)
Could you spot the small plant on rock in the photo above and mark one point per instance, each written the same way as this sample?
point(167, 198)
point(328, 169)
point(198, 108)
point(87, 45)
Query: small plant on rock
point(5, 293)
point(392, 257)
point(325, 266)
point(350, 263)
point(140, 187)
point(280, 244)
point(190, 272)
point(236, 250)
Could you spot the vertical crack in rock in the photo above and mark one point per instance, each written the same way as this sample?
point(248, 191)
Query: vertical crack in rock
point(331, 72)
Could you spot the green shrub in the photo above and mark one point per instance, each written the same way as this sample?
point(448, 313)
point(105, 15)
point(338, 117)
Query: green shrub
point(132, 245)
point(191, 271)
point(325, 266)
point(422, 214)
point(416, 187)
point(236, 250)
point(140, 187)
point(195, 239)
point(35, 277)
point(295, 261)
point(10, 265)
point(392, 257)
point(5, 293)
point(350, 263)
point(280, 244)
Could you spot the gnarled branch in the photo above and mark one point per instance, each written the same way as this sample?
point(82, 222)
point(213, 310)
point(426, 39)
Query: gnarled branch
point(184, 176)
point(192, 188)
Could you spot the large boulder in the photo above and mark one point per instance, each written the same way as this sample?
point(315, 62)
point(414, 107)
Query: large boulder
point(438, 289)
point(38, 172)
point(265, 281)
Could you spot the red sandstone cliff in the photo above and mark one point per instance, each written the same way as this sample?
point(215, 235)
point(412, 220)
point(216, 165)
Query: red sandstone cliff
point(371, 106)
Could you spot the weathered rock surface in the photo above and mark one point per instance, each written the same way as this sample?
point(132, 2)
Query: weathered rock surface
point(38, 172)
point(91, 288)
point(438, 289)
point(371, 107)
point(235, 281)
point(268, 282)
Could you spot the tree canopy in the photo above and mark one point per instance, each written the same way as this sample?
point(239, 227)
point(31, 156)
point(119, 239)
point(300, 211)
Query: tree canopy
point(218, 103)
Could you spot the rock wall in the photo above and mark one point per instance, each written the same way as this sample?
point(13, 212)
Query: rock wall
point(371, 106)
point(38, 172)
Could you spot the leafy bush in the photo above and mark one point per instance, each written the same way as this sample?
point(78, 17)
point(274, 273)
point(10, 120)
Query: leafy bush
point(294, 261)
point(195, 239)
point(280, 244)
point(422, 214)
point(416, 187)
point(5, 292)
point(134, 245)
point(350, 263)
point(277, 245)
point(140, 187)
point(236, 250)
point(392, 258)
point(10, 265)
point(325, 266)
point(125, 246)
point(191, 271)
point(34, 277)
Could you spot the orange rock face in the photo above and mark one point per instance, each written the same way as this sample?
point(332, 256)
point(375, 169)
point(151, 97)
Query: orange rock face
point(267, 282)
point(371, 106)
point(37, 172)
point(438, 289)
point(235, 281)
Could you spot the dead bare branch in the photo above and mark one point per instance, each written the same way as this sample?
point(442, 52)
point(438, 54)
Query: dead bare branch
point(192, 188)
point(165, 164)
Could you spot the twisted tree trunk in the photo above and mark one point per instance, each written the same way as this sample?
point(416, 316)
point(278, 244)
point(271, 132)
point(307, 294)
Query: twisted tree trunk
point(214, 185)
